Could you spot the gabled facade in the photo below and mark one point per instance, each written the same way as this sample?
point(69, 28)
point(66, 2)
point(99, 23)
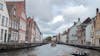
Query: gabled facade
point(81, 33)
point(33, 34)
point(30, 30)
point(38, 34)
point(13, 23)
point(97, 29)
point(89, 34)
point(4, 22)
point(21, 14)
point(64, 37)
point(58, 37)
point(72, 35)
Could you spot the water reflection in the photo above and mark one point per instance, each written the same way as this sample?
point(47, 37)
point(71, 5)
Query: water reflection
point(48, 50)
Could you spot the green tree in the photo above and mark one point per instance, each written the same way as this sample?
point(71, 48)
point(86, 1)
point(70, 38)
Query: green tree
point(48, 39)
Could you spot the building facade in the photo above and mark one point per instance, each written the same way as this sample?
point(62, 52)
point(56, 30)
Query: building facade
point(64, 37)
point(38, 34)
point(72, 35)
point(97, 28)
point(54, 39)
point(30, 30)
point(21, 16)
point(58, 37)
point(4, 22)
point(13, 23)
point(89, 34)
point(81, 33)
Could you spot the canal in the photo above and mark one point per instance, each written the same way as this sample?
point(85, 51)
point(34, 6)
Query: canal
point(48, 50)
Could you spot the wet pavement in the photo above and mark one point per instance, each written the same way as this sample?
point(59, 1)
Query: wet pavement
point(48, 50)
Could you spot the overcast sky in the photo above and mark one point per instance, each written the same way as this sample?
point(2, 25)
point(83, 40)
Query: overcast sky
point(54, 16)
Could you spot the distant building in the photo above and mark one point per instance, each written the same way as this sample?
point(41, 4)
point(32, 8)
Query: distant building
point(81, 33)
point(13, 23)
point(4, 22)
point(38, 34)
point(96, 38)
point(30, 30)
point(21, 14)
point(68, 35)
point(89, 34)
point(64, 37)
point(54, 38)
point(72, 35)
point(58, 37)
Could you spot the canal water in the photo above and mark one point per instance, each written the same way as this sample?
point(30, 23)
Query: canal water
point(48, 50)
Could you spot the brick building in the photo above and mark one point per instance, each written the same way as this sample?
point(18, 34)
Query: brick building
point(13, 23)
point(21, 16)
point(33, 33)
point(97, 28)
point(30, 30)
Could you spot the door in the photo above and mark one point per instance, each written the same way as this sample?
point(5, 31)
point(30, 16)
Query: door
point(99, 41)
point(5, 37)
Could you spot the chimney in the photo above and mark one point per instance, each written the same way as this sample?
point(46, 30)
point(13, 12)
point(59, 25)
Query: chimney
point(97, 10)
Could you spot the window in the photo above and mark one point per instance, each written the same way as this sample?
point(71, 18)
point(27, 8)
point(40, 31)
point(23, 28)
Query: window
point(14, 12)
point(5, 38)
point(97, 32)
point(1, 6)
point(6, 22)
point(99, 41)
point(12, 24)
point(17, 26)
point(1, 34)
point(9, 22)
point(2, 20)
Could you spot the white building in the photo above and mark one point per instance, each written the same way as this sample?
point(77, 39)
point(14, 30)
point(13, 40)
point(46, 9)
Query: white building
point(38, 34)
point(54, 38)
point(73, 39)
point(89, 34)
point(4, 21)
point(64, 37)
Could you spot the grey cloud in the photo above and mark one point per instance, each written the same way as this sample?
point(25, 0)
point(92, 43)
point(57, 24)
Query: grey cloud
point(40, 8)
point(46, 10)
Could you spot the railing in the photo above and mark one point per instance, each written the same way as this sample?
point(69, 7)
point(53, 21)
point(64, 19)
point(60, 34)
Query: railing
point(13, 46)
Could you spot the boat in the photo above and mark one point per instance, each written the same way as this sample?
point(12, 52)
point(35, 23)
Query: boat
point(75, 54)
point(53, 44)
point(80, 53)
